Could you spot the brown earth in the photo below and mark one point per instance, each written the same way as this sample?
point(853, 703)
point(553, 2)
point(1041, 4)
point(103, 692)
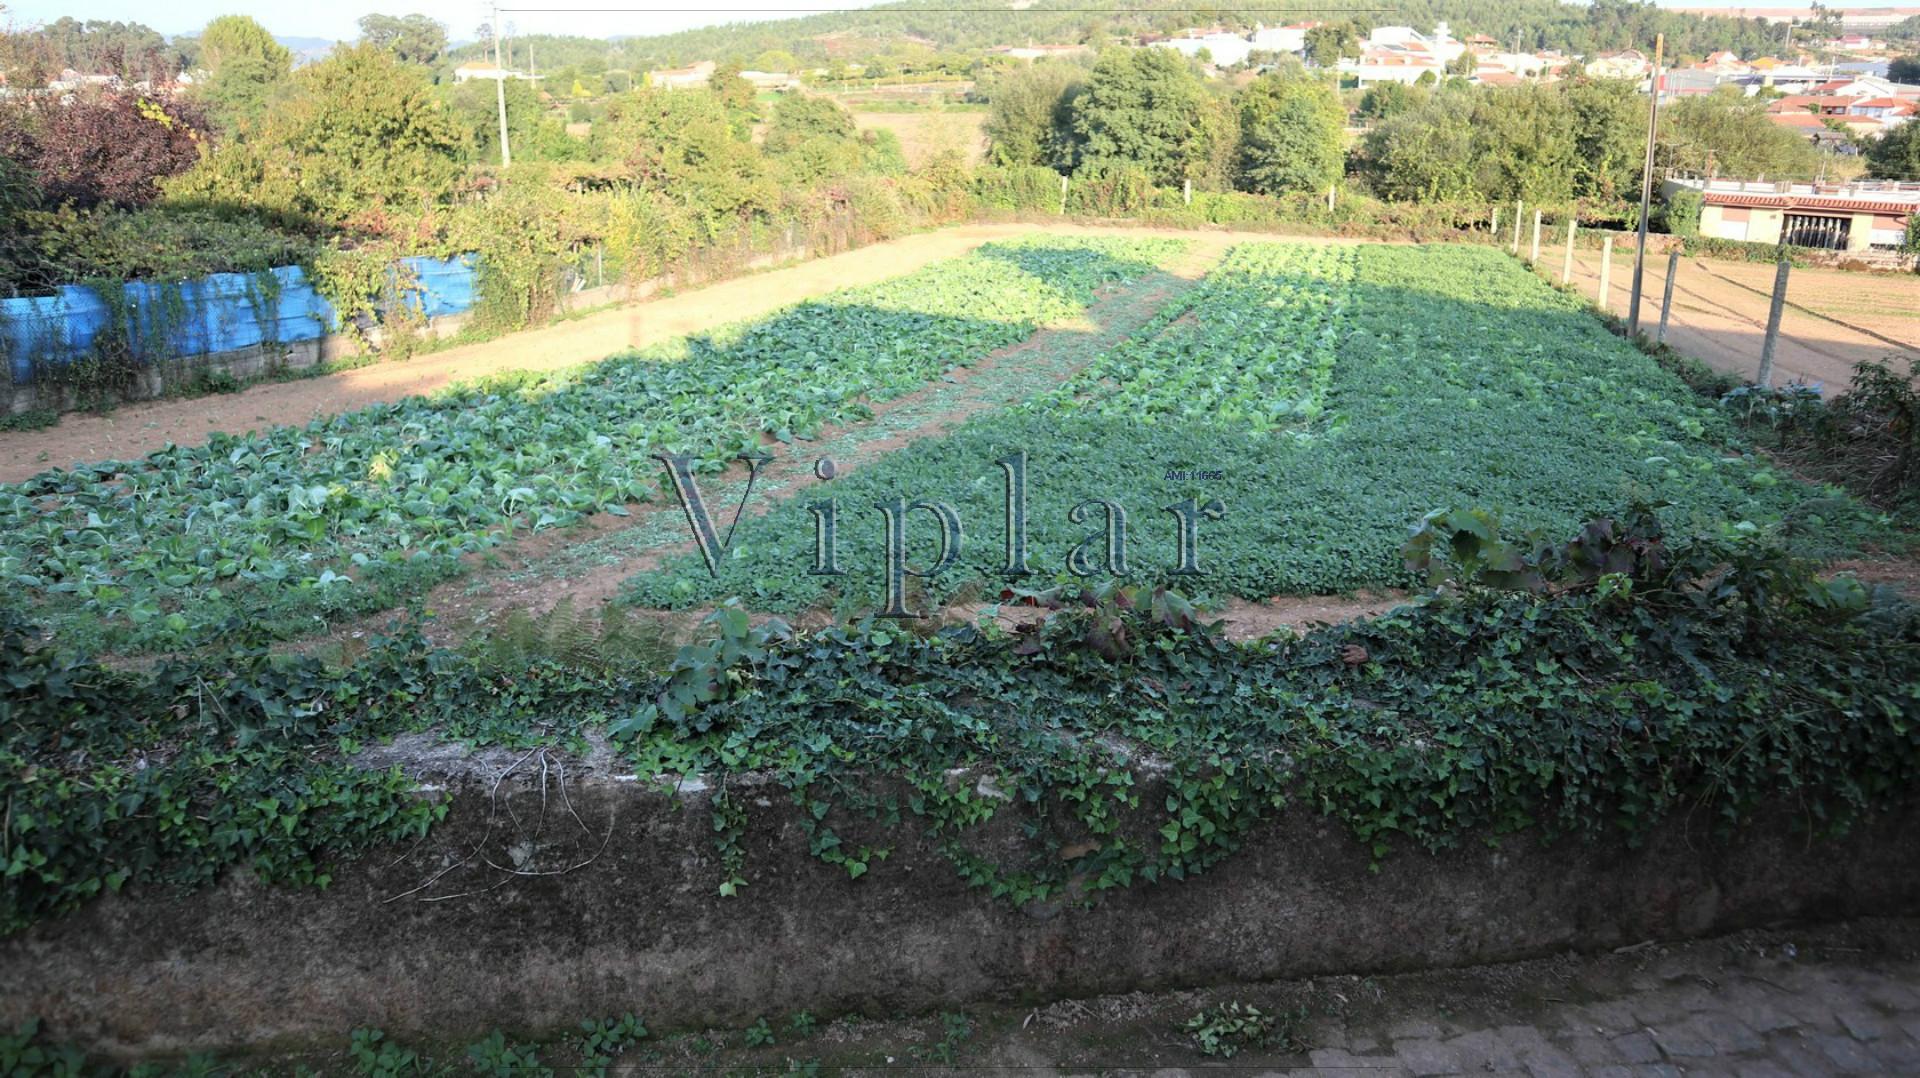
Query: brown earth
point(1833, 318)
point(925, 135)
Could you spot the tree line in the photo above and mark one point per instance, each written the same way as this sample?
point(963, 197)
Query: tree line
point(1579, 140)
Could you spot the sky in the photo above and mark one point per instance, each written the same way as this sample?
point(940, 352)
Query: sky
point(335, 20)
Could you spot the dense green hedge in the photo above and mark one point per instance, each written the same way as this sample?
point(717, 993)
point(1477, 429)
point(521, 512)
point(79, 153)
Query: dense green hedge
point(1634, 679)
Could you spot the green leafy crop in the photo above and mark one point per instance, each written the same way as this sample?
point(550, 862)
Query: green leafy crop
point(1388, 382)
point(352, 511)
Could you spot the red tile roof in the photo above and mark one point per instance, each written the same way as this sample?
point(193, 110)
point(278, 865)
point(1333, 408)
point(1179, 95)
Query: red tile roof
point(1803, 202)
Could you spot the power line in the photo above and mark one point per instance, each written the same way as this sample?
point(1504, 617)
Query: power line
point(709, 10)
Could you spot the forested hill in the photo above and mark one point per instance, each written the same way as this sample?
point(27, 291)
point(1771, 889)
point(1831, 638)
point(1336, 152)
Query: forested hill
point(935, 24)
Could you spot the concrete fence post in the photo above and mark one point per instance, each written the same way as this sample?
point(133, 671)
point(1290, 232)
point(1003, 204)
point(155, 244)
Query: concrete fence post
point(1493, 225)
point(1772, 340)
point(1606, 274)
point(1519, 207)
point(1566, 268)
point(1063, 196)
point(1534, 258)
point(1666, 296)
point(1186, 191)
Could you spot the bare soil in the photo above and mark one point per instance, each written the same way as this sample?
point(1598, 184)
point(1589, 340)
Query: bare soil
point(925, 135)
point(1833, 318)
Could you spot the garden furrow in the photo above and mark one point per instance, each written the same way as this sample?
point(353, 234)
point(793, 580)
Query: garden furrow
point(586, 566)
point(1389, 383)
point(282, 531)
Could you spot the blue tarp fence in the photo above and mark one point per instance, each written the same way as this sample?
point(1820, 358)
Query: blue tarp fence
point(217, 313)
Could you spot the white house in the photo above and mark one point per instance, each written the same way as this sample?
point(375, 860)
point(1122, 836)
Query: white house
point(1441, 45)
point(1291, 38)
point(682, 78)
point(1222, 48)
point(1625, 64)
point(482, 69)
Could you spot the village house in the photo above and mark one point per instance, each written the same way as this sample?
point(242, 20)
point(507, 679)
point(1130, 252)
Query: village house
point(1858, 217)
point(483, 69)
point(1624, 64)
point(1032, 52)
point(1222, 48)
point(682, 78)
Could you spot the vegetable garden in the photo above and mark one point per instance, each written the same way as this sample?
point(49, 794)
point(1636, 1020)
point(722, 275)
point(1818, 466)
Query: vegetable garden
point(1633, 620)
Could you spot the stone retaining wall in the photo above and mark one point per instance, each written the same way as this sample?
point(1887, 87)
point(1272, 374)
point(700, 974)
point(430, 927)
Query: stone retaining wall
point(627, 918)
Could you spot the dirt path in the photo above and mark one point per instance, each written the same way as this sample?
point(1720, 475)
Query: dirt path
point(135, 430)
point(1833, 318)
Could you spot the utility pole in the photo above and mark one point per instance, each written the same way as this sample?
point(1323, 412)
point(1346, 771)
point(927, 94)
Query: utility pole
point(500, 88)
point(1646, 191)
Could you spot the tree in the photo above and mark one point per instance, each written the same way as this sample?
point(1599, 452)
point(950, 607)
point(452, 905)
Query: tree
point(779, 60)
point(531, 132)
point(415, 39)
point(1896, 156)
point(352, 134)
point(1523, 143)
point(232, 37)
point(1290, 135)
point(737, 97)
point(1424, 155)
point(813, 139)
point(102, 148)
point(1463, 65)
point(1736, 136)
point(244, 64)
point(800, 117)
point(97, 46)
point(1029, 117)
point(1388, 99)
point(1143, 107)
point(1905, 69)
point(1328, 42)
point(1608, 136)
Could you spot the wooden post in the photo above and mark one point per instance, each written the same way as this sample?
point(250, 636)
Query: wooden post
point(1666, 299)
point(1606, 273)
point(1566, 268)
point(1519, 207)
point(1534, 259)
point(1646, 192)
point(1773, 323)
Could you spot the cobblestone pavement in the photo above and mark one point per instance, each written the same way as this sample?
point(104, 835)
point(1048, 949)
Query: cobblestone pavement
point(1786, 1020)
point(1835, 1000)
